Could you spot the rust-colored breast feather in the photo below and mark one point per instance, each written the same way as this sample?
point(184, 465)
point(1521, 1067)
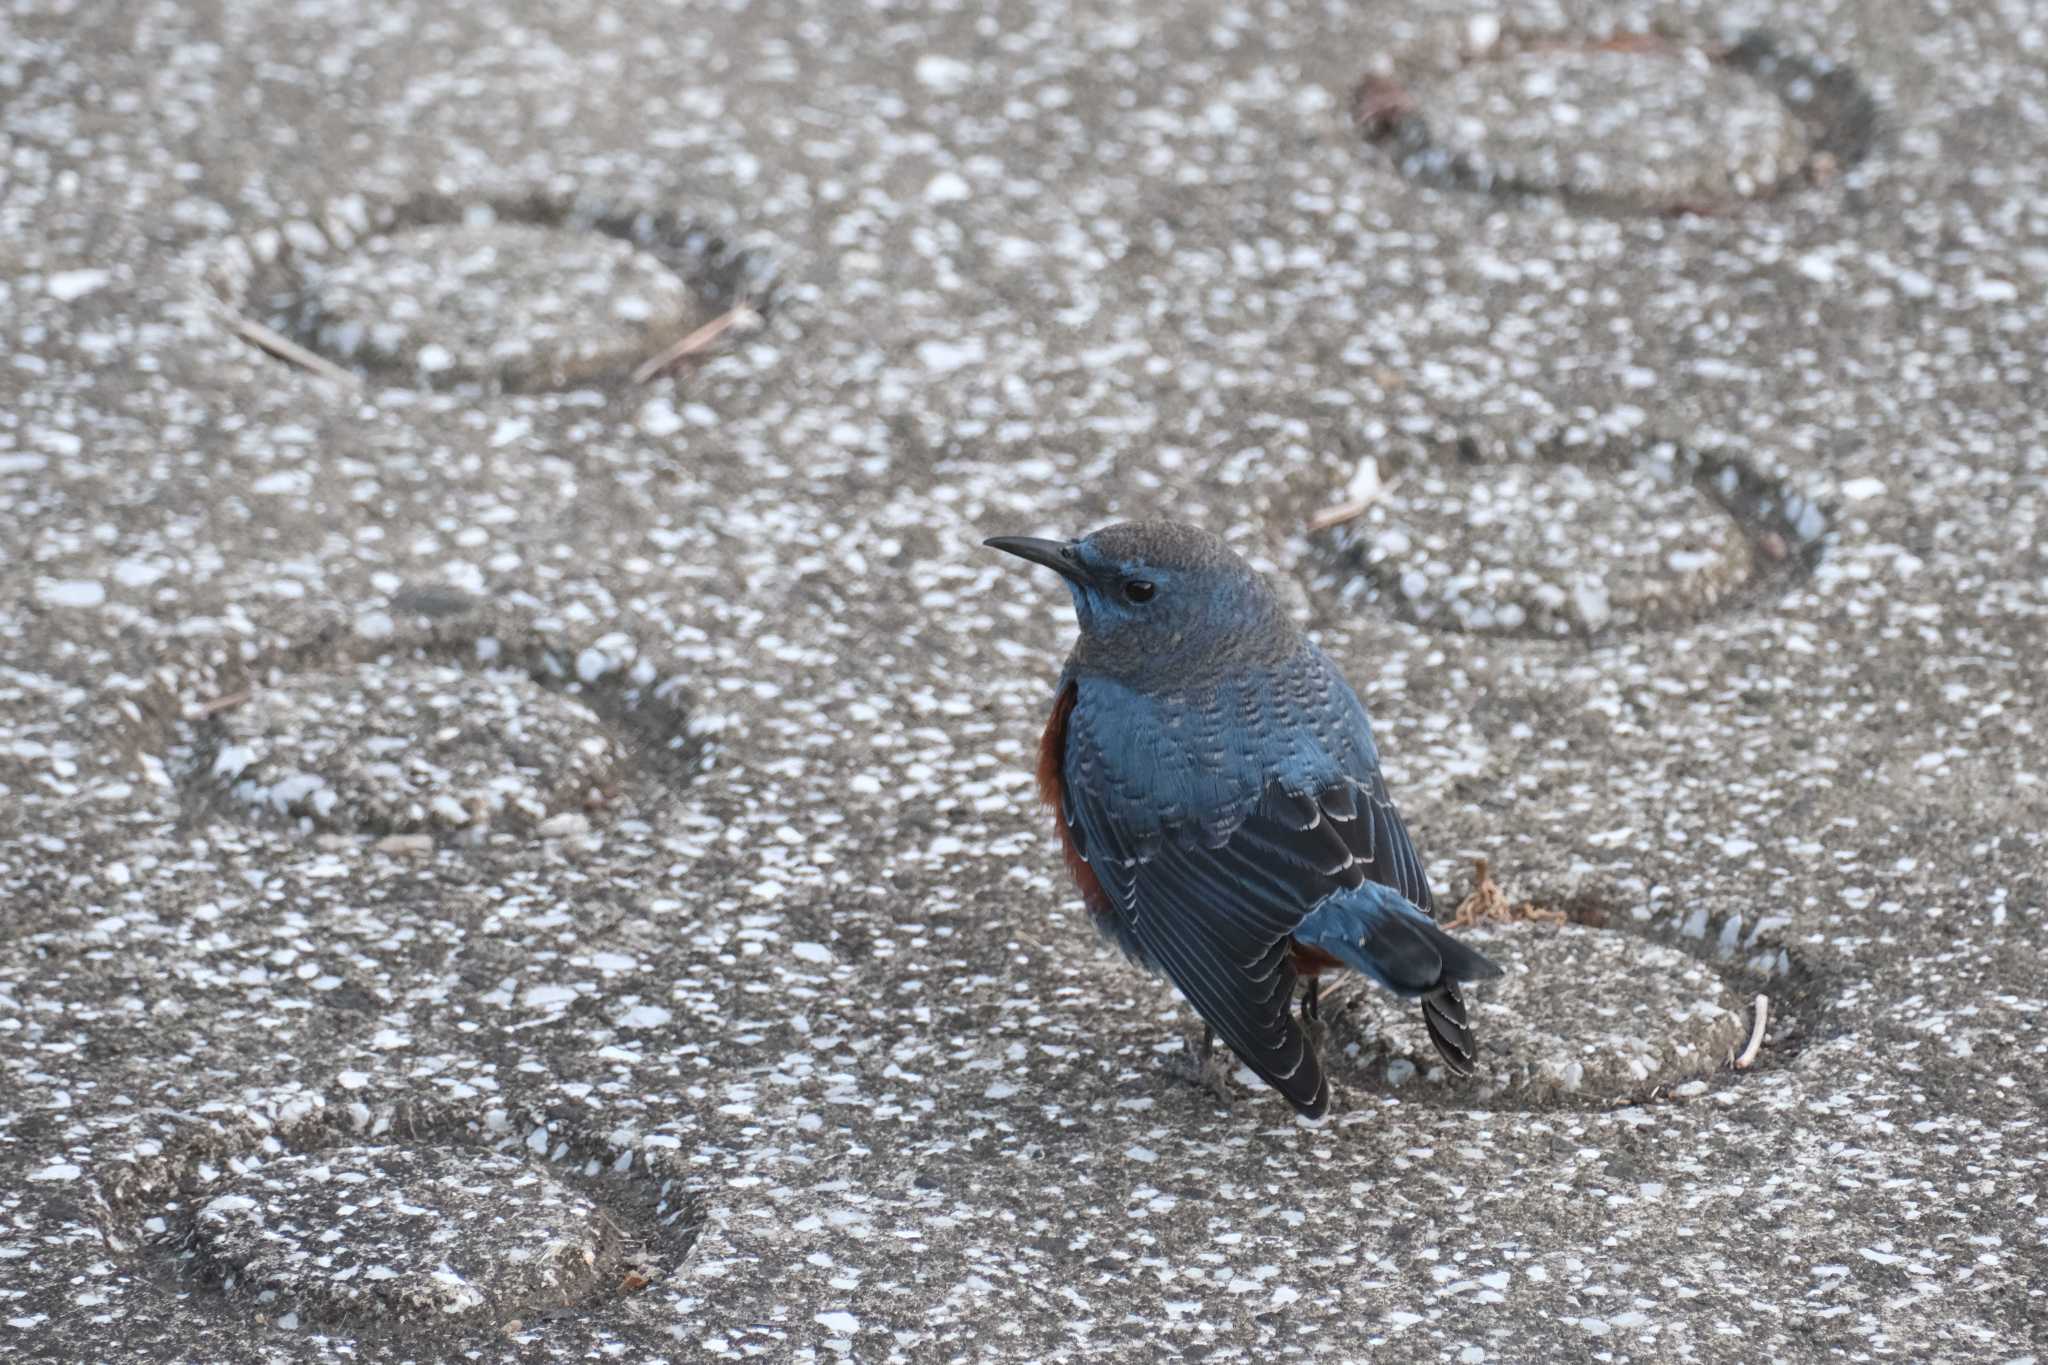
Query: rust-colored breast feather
point(1052, 753)
point(1311, 961)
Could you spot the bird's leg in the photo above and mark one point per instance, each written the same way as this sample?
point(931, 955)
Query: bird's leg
point(1312, 1012)
point(1198, 1062)
point(1200, 1066)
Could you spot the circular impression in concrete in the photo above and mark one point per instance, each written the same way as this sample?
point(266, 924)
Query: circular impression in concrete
point(414, 746)
point(1632, 124)
point(394, 1234)
point(1645, 129)
point(454, 721)
point(1580, 1013)
point(493, 296)
point(1550, 550)
point(1580, 546)
point(310, 1210)
point(504, 305)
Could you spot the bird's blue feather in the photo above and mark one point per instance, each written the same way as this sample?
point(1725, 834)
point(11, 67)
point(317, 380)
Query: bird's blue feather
point(1163, 760)
point(1374, 929)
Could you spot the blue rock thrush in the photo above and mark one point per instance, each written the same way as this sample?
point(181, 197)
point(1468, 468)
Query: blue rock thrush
point(1221, 805)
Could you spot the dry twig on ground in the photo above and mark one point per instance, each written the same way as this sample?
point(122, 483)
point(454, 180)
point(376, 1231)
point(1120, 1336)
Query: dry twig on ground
point(289, 351)
point(740, 317)
point(1747, 1057)
point(215, 705)
point(1362, 492)
point(1488, 904)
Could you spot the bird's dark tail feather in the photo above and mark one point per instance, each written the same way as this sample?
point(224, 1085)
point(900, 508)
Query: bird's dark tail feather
point(1462, 962)
point(1443, 1014)
point(1373, 929)
point(1443, 1009)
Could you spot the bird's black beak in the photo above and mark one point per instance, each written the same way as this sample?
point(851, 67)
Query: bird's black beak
point(1057, 555)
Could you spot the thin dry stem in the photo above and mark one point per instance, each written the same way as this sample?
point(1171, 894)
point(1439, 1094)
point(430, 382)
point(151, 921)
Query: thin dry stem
point(1354, 506)
point(741, 316)
point(1488, 904)
point(215, 705)
point(289, 351)
point(1337, 513)
point(1747, 1057)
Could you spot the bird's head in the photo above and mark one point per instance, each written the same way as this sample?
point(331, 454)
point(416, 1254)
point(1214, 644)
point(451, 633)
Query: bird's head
point(1159, 601)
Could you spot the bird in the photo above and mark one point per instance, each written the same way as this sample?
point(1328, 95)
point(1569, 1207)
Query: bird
point(1219, 801)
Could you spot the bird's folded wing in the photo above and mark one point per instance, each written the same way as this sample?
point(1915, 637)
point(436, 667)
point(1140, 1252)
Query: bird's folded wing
point(1379, 837)
point(1214, 910)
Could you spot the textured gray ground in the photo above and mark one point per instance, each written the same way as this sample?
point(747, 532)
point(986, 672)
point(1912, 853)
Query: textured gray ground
point(496, 861)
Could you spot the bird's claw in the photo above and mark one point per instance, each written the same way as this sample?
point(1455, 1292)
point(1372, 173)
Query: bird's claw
point(1203, 1068)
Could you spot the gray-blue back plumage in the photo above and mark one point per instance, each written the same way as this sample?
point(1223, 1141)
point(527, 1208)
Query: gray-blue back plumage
point(1165, 757)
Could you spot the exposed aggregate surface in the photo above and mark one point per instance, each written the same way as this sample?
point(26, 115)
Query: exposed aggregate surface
point(1647, 128)
point(362, 1236)
point(1550, 550)
point(512, 305)
point(802, 1002)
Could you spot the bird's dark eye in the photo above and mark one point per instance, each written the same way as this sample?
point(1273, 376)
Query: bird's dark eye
point(1138, 590)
